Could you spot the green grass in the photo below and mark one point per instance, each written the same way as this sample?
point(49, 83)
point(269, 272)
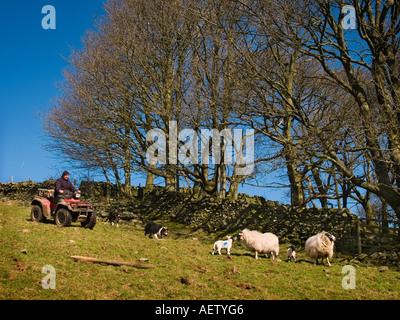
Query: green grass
point(184, 267)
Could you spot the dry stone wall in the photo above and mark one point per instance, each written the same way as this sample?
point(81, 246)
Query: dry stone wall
point(24, 190)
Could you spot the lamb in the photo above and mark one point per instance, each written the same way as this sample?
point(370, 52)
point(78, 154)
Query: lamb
point(258, 242)
point(223, 244)
point(320, 246)
point(291, 253)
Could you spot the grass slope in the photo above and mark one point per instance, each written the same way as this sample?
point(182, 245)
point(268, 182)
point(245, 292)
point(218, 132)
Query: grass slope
point(184, 267)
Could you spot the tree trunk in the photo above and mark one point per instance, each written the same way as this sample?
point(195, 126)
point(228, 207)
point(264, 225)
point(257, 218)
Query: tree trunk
point(171, 178)
point(127, 163)
point(295, 178)
point(234, 189)
point(150, 179)
point(320, 187)
point(222, 168)
point(384, 217)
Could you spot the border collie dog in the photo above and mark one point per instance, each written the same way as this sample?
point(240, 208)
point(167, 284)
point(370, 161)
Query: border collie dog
point(114, 216)
point(155, 229)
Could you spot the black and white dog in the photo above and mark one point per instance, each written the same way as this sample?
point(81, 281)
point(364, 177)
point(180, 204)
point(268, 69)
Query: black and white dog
point(113, 216)
point(154, 228)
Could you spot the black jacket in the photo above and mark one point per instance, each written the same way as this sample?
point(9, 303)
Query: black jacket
point(62, 184)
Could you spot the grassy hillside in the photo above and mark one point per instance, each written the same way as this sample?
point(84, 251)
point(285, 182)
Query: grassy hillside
point(184, 267)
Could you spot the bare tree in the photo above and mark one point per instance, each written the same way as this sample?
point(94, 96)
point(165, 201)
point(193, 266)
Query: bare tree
point(127, 80)
point(346, 56)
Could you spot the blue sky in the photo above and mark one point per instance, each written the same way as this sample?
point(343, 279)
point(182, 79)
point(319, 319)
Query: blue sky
point(31, 64)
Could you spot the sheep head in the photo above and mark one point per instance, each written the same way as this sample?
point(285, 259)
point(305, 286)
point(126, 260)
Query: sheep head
point(239, 236)
point(331, 237)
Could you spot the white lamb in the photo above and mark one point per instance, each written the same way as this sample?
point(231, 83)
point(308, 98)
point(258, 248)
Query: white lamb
point(291, 253)
point(223, 244)
point(258, 242)
point(320, 246)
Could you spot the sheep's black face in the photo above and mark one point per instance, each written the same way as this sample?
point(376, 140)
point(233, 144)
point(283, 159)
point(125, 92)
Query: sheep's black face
point(330, 236)
point(238, 237)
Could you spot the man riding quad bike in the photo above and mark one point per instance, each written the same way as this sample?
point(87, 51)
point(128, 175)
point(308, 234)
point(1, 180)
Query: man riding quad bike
point(63, 204)
point(62, 186)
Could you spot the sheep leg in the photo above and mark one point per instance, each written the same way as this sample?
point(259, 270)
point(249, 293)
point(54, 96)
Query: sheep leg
point(327, 259)
point(219, 251)
point(213, 250)
point(256, 255)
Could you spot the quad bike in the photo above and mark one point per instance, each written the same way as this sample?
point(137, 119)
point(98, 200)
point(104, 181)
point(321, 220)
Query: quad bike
point(65, 211)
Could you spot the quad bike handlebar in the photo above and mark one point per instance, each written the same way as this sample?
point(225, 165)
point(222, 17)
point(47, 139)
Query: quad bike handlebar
point(71, 195)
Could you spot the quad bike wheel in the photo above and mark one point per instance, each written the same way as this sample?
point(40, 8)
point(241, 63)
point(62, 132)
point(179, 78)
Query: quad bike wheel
point(90, 221)
point(63, 217)
point(37, 214)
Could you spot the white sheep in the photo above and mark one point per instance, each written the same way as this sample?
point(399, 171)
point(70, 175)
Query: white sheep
point(223, 244)
point(258, 242)
point(320, 246)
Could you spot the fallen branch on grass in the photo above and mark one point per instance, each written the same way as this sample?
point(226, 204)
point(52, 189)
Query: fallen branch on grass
point(114, 262)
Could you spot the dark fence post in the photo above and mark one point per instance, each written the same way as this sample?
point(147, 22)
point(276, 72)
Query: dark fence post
point(140, 192)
